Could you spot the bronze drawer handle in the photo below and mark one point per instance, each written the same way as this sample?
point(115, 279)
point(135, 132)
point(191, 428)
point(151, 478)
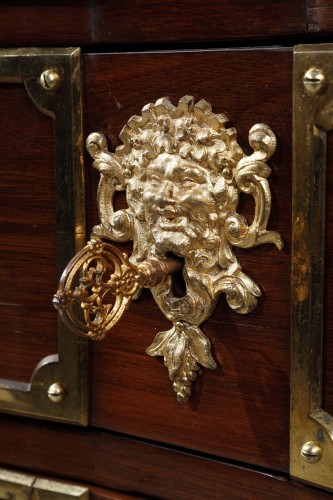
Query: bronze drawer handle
point(183, 171)
point(108, 283)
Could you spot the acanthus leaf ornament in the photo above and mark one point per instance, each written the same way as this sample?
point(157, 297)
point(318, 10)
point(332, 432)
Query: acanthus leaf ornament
point(183, 172)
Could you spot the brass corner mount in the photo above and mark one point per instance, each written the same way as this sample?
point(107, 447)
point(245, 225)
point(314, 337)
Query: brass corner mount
point(183, 171)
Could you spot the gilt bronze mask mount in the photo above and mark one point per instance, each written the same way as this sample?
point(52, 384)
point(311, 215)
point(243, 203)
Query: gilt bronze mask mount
point(183, 172)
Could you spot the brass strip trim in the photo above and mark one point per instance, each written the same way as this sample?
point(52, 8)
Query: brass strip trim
point(58, 389)
point(28, 487)
point(311, 450)
point(15, 485)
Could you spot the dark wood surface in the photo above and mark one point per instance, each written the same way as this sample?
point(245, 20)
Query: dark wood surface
point(27, 235)
point(237, 423)
point(240, 411)
point(173, 21)
point(104, 494)
point(134, 467)
point(328, 287)
point(95, 22)
point(38, 23)
point(320, 17)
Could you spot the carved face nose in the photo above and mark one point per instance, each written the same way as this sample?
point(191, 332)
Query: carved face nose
point(166, 193)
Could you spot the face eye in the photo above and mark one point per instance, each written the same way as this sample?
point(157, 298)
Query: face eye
point(191, 183)
point(193, 177)
point(154, 179)
point(190, 180)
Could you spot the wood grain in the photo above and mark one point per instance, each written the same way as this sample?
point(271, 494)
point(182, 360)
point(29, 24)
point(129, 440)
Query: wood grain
point(103, 494)
point(238, 414)
point(135, 468)
point(54, 23)
point(133, 22)
point(27, 235)
point(240, 411)
point(320, 17)
point(172, 21)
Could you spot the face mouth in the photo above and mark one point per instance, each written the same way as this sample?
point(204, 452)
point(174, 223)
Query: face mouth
point(172, 224)
point(171, 218)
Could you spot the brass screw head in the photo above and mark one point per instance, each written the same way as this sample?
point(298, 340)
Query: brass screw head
point(179, 326)
point(56, 392)
point(49, 79)
point(311, 452)
point(314, 80)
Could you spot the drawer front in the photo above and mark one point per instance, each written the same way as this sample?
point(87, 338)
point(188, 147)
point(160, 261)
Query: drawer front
point(136, 468)
point(92, 23)
point(240, 410)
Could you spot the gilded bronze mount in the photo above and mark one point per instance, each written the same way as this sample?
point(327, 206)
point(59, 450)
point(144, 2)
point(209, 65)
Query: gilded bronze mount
point(183, 172)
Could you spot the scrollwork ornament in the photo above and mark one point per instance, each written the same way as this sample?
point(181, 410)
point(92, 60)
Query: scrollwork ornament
point(183, 171)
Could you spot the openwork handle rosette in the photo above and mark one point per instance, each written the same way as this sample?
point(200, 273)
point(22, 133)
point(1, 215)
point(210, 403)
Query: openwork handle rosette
point(183, 172)
point(98, 284)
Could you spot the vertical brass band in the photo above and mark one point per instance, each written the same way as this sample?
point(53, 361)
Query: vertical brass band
point(311, 455)
point(58, 389)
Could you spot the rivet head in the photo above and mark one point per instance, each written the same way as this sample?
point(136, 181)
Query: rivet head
point(56, 392)
point(127, 173)
point(227, 174)
point(311, 452)
point(49, 79)
point(179, 326)
point(314, 80)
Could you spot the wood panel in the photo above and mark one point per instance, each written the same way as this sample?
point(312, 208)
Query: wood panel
point(240, 411)
point(189, 21)
point(27, 235)
point(320, 17)
point(53, 23)
point(91, 22)
point(103, 494)
point(135, 468)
